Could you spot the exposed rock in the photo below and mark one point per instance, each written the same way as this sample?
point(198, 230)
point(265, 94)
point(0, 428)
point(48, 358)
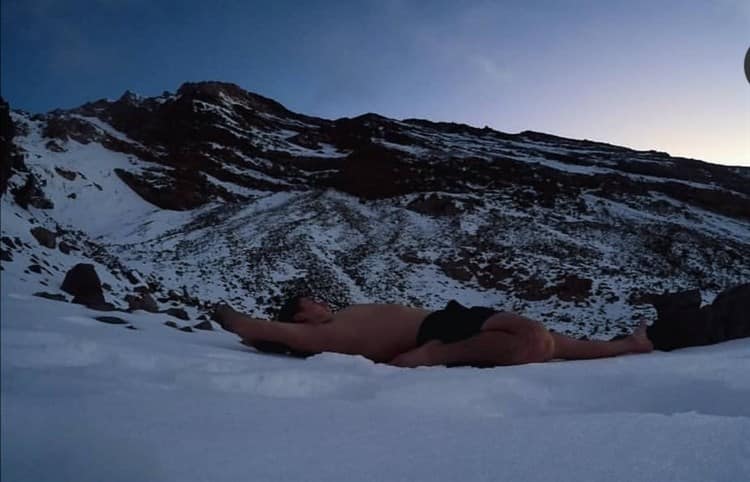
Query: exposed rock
point(131, 327)
point(573, 288)
point(35, 268)
point(731, 311)
point(65, 248)
point(435, 205)
point(64, 128)
point(69, 175)
point(31, 194)
point(456, 270)
point(112, 320)
point(101, 306)
point(54, 146)
point(171, 324)
point(44, 236)
point(682, 323)
point(51, 296)
point(186, 329)
point(177, 313)
point(130, 275)
point(11, 159)
point(671, 306)
point(533, 289)
point(83, 283)
point(178, 190)
point(204, 325)
point(143, 301)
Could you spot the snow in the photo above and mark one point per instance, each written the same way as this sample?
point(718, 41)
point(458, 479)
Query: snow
point(82, 400)
point(93, 401)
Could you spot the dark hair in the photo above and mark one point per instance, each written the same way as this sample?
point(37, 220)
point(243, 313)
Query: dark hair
point(285, 315)
point(289, 309)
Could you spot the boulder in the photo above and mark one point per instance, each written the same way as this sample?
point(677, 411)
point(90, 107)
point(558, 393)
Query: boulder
point(143, 301)
point(670, 307)
point(69, 175)
point(112, 320)
point(101, 306)
point(65, 248)
point(83, 283)
point(204, 325)
point(44, 236)
point(177, 313)
point(51, 296)
point(132, 278)
point(730, 313)
point(681, 322)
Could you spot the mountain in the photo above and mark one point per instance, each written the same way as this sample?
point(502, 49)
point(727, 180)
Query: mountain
point(216, 193)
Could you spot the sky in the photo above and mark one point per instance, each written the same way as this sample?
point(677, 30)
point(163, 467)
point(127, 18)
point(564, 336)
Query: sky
point(665, 75)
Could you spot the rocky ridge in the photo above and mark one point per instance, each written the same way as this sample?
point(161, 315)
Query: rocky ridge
point(215, 193)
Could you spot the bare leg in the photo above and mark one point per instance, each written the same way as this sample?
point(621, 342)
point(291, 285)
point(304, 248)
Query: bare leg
point(571, 349)
point(489, 348)
point(505, 339)
point(529, 345)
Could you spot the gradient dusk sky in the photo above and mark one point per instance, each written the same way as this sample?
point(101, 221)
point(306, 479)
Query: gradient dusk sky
point(665, 75)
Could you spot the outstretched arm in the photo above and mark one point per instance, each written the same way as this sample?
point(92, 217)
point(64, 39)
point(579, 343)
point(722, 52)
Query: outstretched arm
point(297, 336)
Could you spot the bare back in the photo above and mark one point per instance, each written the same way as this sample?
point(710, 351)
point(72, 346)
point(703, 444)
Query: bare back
point(378, 332)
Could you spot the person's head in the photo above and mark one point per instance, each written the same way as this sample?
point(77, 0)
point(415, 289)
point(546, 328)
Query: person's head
point(296, 309)
point(305, 309)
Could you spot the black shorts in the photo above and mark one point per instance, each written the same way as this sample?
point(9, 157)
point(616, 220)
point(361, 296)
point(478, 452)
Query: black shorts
point(453, 323)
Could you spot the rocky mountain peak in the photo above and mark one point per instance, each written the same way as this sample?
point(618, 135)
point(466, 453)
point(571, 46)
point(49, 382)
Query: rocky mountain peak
point(229, 94)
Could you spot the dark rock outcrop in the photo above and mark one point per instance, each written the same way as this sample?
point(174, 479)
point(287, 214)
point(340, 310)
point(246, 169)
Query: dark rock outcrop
point(51, 296)
point(112, 320)
point(45, 237)
point(682, 322)
point(142, 301)
point(204, 325)
point(32, 194)
point(573, 288)
point(178, 313)
point(11, 160)
point(69, 175)
point(84, 284)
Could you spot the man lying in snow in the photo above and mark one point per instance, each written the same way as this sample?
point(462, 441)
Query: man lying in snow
point(410, 337)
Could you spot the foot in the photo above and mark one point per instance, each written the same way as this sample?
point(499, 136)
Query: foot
point(224, 315)
point(639, 340)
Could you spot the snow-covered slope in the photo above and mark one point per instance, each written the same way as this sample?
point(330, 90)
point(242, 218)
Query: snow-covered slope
point(88, 401)
point(216, 193)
